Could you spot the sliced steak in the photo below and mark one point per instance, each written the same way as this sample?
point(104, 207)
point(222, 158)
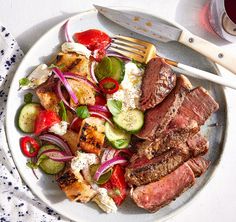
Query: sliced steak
point(198, 165)
point(174, 137)
point(158, 81)
point(143, 171)
point(190, 114)
point(164, 159)
point(154, 196)
point(150, 149)
point(197, 144)
point(158, 118)
point(198, 105)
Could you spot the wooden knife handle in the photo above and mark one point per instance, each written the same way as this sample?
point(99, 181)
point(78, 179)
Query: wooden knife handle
point(211, 51)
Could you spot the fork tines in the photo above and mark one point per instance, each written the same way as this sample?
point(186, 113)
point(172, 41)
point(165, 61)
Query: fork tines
point(134, 48)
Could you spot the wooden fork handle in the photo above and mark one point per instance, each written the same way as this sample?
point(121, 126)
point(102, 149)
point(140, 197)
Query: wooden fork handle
point(211, 51)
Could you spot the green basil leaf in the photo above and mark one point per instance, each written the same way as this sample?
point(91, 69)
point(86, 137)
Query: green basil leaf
point(104, 68)
point(24, 82)
point(114, 106)
point(119, 143)
point(28, 97)
point(82, 112)
point(62, 111)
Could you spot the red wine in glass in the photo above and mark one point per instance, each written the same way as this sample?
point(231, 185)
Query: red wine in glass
point(222, 17)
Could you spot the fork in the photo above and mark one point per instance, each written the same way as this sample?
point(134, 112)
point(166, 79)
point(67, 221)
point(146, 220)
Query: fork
point(143, 52)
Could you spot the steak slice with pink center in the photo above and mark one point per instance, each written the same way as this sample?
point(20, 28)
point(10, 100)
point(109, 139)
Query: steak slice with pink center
point(175, 117)
point(154, 196)
point(158, 81)
point(158, 118)
point(165, 160)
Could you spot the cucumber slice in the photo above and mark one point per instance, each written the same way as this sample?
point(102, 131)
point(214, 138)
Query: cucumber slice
point(131, 120)
point(110, 67)
point(120, 144)
point(118, 69)
point(117, 137)
point(47, 165)
point(27, 116)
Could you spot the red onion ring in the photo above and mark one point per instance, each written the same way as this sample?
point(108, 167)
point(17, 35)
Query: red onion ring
point(56, 141)
point(66, 32)
point(118, 55)
point(60, 95)
point(108, 164)
point(111, 154)
point(98, 108)
point(93, 76)
point(73, 122)
point(66, 84)
point(78, 77)
point(104, 155)
point(126, 151)
point(56, 155)
point(46, 151)
point(108, 154)
point(102, 116)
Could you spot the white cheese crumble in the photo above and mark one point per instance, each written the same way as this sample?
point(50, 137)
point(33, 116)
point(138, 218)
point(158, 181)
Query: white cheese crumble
point(130, 88)
point(83, 160)
point(38, 76)
point(104, 201)
point(59, 128)
point(75, 47)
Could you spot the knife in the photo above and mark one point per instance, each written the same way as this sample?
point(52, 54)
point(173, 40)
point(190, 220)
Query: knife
point(157, 29)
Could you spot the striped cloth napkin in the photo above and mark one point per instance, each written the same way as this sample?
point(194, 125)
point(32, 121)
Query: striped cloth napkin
point(17, 203)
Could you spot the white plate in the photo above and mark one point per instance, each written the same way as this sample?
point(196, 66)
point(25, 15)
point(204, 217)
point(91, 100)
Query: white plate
point(45, 188)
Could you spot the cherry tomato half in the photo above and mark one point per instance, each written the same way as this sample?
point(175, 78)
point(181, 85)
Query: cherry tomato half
point(45, 120)
point(117, 186)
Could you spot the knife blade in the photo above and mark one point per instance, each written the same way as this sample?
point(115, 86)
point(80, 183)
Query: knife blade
point(153, 28)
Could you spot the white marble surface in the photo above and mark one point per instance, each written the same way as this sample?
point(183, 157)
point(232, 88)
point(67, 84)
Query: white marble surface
point(29, 19)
